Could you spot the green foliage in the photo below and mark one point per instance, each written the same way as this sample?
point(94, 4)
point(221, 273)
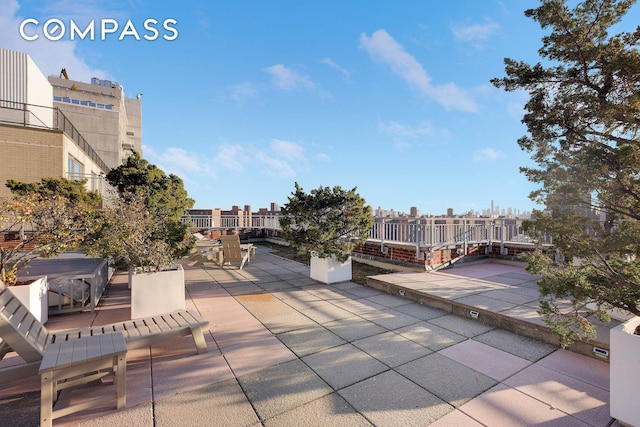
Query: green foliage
point(74, 190)
point(51, 217)
point(163, 194)
point(164, 199)
point(583, 122)
point(132, 237)
point(327, 221)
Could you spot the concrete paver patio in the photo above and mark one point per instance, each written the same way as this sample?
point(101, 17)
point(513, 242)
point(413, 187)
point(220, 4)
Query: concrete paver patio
point(285, 350)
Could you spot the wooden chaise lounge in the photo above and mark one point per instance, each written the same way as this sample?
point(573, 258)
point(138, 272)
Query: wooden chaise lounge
point(21, 332)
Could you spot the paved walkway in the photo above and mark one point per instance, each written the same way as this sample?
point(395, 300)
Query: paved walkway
point(287, 351)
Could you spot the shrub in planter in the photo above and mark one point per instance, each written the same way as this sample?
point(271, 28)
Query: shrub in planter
point(327, 223)
point(131, 237)
point(141, 231)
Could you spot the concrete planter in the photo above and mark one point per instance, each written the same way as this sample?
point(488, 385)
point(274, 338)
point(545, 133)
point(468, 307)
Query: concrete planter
point(157, 293)
point(625, 373)
point(330, 270)
point(34, 297)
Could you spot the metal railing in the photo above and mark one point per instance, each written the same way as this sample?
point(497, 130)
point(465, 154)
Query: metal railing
point(28, 115)
point(38, 116)
point(61, 122)
point(429, 233)
point(234, 222)
point(80, 292)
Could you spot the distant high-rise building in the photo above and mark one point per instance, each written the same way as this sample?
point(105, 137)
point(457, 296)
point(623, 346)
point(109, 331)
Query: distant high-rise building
point(581, 204)
point(413, 211)
point(450, 212)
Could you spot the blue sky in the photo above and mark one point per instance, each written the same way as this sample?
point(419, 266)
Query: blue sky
point(390, 96)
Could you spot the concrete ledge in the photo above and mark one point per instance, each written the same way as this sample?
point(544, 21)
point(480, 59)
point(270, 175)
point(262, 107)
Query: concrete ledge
point(486, 317)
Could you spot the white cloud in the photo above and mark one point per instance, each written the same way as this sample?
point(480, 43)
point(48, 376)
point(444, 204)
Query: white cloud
point(323, 157)
point(385, 49)
point(49, 56)
point(178, 161)
point(328, 61)
point(276, 167)
point(232, 157)
point(282, 159)
point(288, 150)
point(402, 130)
point(487, 155)
point(83, 11)
point(474, 33)
point(243, 91)
point(287, 79)
point(406, 136)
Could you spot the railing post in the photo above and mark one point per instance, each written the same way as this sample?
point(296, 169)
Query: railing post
point(466, 237)
point(417, 238)
point(431, 232)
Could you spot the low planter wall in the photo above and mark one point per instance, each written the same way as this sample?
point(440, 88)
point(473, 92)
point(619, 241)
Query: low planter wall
point(405, 254)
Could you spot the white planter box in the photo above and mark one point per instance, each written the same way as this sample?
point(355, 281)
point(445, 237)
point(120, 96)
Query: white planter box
point(34, 297)
point(157, 293)
point(624, 372)
point(330, 270)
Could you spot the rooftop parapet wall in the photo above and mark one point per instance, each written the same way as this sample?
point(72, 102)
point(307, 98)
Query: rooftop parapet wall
point(406, 254)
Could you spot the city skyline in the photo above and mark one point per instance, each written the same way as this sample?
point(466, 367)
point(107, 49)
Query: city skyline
point(494, 210)
point(243, 98)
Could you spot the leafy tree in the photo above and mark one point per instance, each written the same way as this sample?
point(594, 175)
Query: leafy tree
point(74, 190)
point(129, 236)
point(327, 221)
point(49, 217)
point(164, 198)
point(583, 122)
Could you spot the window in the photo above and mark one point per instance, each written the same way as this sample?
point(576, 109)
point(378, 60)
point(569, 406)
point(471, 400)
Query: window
point(75, 168)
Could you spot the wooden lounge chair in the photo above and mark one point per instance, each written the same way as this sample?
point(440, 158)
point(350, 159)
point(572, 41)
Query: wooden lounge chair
point(21, 332)
point(232, 252)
